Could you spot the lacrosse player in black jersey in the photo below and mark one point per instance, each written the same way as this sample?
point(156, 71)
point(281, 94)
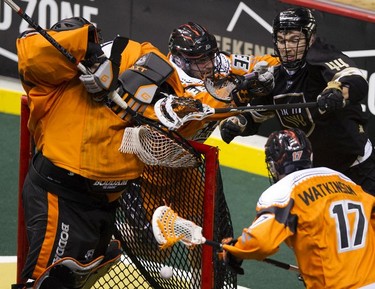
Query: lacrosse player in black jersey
point(313, 71)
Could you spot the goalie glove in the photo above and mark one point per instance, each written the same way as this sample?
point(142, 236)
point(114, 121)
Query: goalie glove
point(331, 98)
point(104, 71)
point(100, 81)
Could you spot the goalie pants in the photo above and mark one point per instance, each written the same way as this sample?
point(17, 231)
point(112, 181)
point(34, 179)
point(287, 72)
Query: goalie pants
point(59, 226)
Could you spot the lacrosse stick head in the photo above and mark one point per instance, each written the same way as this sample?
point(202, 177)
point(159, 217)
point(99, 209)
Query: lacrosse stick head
point(155, 147)
point(173, 111)
point(169, 228)
point(221, 86)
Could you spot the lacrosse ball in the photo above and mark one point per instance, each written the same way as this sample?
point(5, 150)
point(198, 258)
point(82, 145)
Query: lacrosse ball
point(166, 272)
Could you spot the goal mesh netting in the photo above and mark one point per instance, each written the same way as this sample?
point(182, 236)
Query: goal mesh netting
point(194, 193)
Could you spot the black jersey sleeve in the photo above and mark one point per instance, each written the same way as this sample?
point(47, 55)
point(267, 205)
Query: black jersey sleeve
point(335, 65)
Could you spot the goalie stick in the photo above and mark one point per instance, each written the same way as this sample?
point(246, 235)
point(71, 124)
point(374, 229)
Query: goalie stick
point(174, 111)
point(113, 95)
point(169, 228)
point(145, 140)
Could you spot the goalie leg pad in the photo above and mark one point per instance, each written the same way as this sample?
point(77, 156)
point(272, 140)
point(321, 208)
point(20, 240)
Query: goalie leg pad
point(111, 257)
point(68, 273)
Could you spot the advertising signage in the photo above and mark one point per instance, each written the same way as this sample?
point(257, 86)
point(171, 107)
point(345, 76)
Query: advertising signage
point(242, 27)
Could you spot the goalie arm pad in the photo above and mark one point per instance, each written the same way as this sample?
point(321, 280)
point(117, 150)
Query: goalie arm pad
point(139, 84)
point(149, 70)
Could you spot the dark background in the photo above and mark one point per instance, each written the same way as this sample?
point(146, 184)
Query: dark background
point(153, 20)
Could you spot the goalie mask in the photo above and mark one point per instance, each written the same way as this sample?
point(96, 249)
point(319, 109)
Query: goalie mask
point(75, 23)
point(293, 30)
point(287, 151)
point(194, 50)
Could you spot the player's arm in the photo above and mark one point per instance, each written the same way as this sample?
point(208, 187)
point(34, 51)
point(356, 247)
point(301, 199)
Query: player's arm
point(345, 82)
point(261, 239)
point(40, 63)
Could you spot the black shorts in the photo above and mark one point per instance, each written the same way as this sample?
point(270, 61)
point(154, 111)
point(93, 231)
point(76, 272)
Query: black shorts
point(58, 227)
point(363, 174)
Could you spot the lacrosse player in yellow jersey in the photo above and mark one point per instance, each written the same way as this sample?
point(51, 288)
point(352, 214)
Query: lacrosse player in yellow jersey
point(325, 218)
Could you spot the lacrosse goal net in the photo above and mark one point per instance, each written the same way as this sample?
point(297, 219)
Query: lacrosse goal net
point(195, 193)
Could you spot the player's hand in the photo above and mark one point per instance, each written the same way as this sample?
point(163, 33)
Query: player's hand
point(229, 260)
point(231, 127)
point(331, 98)
point(260, 82)
point(263, 83)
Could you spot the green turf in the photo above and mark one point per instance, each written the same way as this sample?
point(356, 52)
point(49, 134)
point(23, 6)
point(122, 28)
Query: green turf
point(9, 156)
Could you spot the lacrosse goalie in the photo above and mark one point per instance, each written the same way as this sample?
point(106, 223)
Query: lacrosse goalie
point(78, 173)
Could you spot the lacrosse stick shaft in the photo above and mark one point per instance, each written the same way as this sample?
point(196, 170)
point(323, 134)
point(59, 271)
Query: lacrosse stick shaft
point(266, 107)
point(169, 228)
point(266, 260)
point(112, 95)
point(42, 32)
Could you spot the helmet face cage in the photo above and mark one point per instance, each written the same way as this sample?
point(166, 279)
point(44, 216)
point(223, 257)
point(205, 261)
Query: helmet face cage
point(287, 151)
point(294, 19)
point(195, 50)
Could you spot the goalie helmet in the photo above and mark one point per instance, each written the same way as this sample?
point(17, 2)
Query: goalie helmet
point(194, 49)
point(70, 24)
point(287, 151)
point(75, 23)
point(299, 19)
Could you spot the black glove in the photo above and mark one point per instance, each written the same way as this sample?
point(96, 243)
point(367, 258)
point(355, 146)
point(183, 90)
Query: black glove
point(231, 127)
point(94, 55)
point(239, 125)
point(229, 260)
point(258, 83)
point(331, 98)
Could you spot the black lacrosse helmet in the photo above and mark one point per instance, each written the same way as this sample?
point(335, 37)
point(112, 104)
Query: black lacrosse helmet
point(70, 24)
point(191, 43)
point(287, 151)
point(75, 23)
point(300, 19)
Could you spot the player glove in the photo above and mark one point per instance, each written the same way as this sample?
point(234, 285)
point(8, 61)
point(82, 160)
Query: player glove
point(331, 98)
point(239, 125)
point(258, 83)
point(265, 82)
point(229, 260)
point(231, 127)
